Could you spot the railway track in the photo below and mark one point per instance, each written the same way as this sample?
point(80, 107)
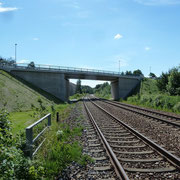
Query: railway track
point(162, 117)
point(132, 154)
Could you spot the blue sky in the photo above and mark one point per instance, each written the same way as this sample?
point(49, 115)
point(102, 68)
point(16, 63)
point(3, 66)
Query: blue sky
point(96, 34)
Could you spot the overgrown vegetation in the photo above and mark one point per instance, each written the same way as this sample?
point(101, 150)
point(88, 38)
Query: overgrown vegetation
point(151, 97)
point(60, 149)
point(13, 163)
point(103, 90)
point(170, 82)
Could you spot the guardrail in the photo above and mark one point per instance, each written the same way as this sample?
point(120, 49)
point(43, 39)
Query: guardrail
point(29, 135)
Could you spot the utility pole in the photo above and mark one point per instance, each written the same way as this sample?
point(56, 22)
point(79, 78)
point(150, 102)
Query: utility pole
point(119, 65)
point(15, 52)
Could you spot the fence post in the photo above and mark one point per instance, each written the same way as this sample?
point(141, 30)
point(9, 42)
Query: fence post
point(29, 141)
point(57, 117)
point(49, 120)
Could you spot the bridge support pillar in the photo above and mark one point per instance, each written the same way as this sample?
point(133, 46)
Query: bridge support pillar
point(124, 87)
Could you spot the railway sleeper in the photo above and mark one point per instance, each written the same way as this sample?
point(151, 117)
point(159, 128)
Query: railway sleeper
point(111, 141)
point(140, 160)
point(148, 170)
point(137, 146)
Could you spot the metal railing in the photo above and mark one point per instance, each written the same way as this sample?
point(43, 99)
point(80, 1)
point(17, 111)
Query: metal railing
point(25, 66)
point(29, 135)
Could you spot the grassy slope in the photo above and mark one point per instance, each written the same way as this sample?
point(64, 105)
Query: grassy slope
point(17, 98)
point(151, 97)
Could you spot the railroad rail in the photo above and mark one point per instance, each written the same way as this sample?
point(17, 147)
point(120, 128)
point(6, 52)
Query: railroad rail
point(165, 118)
point(137, 155)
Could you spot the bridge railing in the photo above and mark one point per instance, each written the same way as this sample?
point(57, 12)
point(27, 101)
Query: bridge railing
point(62, 68)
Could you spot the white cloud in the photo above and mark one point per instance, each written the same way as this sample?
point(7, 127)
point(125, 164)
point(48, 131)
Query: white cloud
point(35, 39)
point(118, 36)
point(147, 48)
point(7, 9)
point(23, 61)
point(158, 2)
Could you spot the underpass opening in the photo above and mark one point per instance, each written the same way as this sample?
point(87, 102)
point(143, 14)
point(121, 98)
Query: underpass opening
point(98, 87)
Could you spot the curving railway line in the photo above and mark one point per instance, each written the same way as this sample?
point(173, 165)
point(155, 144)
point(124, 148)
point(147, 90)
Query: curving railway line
point(133, 155)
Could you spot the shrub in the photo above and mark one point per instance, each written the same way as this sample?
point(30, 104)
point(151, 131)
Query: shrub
point(176, 107)
point(13, 164)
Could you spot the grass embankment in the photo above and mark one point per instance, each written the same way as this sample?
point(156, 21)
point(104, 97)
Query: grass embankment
point(15, 96)
point(151, 97)
point(21, 101)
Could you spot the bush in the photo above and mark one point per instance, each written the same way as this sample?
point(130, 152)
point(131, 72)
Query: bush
point(176, 107)
point(13, 164)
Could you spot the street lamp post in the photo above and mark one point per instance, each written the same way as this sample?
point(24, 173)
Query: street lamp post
point(15, 51)
point(119, 66)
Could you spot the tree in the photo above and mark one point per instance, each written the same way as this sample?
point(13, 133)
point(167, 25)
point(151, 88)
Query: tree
point(9, 61)
point(137, 72)
point(31, 65)
point(162, 82)
point(152, 75)
point(128, 73)
point(78, 87)
point(87, 89)
point(173, 86)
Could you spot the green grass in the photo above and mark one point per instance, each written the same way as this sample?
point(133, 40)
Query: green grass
point(77, 96)
point(61, 147)
point(20, 120)
point(151, 97)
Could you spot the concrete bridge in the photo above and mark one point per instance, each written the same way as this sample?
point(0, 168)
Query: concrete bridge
point(55, 79)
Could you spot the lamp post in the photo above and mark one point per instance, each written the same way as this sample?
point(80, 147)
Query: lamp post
point(119, 66)
point(15, 51)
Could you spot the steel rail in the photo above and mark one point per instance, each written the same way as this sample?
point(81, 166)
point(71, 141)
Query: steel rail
point(163, 152)
point(142, 113)
point(115, 162)
point(144, 109)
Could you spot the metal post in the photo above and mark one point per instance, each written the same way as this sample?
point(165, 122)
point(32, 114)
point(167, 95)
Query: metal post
point(57, 117)
point(119, 66)
point(15, 52)
point(49, 120)
point(29, 141)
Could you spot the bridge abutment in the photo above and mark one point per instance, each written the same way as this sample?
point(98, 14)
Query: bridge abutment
point(53, 83)
point(123, 87)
